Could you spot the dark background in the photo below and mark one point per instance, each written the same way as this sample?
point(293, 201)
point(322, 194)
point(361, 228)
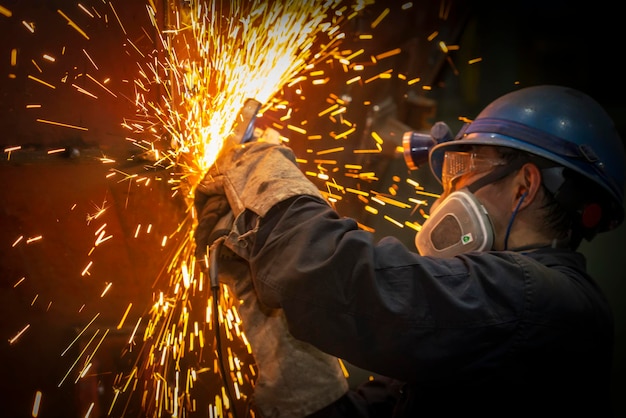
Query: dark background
point(520, 43)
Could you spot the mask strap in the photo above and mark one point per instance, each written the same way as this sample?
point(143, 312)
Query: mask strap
point(498, 173)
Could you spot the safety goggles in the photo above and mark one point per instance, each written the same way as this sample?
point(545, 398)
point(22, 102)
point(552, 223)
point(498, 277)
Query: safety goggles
point(458, 163)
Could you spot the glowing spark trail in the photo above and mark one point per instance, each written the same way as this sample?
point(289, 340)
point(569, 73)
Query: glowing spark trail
point(19, 334)
point(73, 25)
point(5, 11)
point(236, 50)
point(250, 53)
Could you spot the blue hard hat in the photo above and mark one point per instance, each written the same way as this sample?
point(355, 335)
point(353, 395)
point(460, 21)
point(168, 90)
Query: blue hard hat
point(559, 124)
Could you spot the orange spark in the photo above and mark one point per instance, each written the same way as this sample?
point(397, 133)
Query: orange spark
point(73, 25)
point(65, 125)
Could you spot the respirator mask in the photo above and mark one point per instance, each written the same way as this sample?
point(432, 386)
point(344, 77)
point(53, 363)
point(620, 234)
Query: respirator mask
point(460, 224)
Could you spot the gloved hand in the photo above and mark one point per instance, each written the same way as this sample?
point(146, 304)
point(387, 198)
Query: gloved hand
point(254, 176)
point(295, 379)
point(210, 210)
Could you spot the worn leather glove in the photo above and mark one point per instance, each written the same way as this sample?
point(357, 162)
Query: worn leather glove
point(295, 379)
point(211, 210)
point(254, 177)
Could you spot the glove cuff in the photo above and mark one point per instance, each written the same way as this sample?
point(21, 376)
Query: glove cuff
point(295, 379)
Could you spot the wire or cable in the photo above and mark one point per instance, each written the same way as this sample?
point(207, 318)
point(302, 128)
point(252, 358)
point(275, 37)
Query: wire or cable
point(508, 227)
point(214, 251)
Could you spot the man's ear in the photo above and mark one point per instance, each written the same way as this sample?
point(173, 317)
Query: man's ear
point(526, 185)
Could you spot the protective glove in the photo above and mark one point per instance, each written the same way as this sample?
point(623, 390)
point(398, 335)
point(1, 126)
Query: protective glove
point(210, 211)
point(255, 177)
point(295, 379)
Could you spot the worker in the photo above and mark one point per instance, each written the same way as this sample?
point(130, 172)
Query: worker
point(494, 315)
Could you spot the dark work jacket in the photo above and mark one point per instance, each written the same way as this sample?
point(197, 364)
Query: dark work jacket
point(497, 333)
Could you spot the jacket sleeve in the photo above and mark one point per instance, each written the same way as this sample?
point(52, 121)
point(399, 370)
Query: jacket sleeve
point(379, 305)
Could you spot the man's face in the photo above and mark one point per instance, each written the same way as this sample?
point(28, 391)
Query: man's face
point(496, 197)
